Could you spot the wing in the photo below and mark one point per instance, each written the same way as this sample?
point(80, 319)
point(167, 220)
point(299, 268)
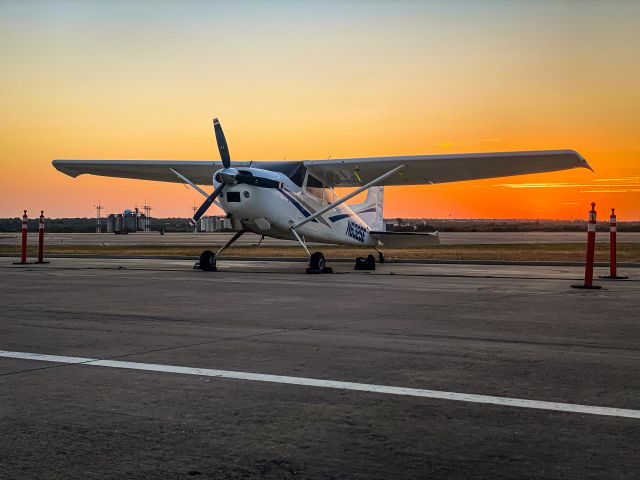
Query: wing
point(200, 172)
point(346, 172)
point(426, 169)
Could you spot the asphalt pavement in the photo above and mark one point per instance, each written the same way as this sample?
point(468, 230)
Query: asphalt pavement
point(156, 370)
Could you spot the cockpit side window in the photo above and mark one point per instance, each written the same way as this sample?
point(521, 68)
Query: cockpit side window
point(315, 187)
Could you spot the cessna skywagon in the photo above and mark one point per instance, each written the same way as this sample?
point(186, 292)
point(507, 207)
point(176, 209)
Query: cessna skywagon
point(295, 200)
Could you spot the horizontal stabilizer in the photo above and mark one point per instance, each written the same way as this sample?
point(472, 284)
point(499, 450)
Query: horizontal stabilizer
point(406, 239)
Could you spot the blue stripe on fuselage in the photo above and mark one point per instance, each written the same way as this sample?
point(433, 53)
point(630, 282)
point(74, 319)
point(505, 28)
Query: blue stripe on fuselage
point(335, 218)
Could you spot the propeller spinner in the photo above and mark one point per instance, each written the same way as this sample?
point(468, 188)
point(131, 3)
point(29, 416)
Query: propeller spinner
point(227, 176)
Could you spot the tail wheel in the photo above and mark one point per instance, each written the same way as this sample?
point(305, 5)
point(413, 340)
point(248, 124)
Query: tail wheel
point(317, 261)
point(208, 261)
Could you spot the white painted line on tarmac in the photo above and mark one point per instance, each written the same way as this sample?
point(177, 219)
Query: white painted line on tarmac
point(313, 382)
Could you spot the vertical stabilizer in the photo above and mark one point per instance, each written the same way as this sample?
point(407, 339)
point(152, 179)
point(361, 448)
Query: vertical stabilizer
point(372, 210)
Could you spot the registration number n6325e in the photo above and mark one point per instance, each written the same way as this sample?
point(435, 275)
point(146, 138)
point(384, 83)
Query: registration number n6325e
point(355, 231)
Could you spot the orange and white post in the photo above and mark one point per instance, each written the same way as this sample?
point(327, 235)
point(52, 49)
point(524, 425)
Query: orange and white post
point(25, 225)
point(41, 238)
point(591, 250)
point(613, 230)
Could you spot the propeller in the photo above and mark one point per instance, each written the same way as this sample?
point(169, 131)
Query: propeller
point(222, 144)
point(227, 176)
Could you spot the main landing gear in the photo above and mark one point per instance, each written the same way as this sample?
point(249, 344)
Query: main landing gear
point(317, 261)
point(318, 264)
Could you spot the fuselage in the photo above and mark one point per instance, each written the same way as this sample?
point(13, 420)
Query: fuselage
point(269, 203)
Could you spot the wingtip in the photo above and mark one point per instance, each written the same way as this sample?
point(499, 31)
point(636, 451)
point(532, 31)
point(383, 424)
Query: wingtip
point(63, 167)
point(583, 162)
point(586, 165)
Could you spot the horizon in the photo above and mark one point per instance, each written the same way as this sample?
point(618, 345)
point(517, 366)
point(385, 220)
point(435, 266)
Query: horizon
point(476, 219)
point(98, 80)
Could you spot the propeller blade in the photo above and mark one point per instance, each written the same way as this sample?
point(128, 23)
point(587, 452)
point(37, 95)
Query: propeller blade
point(207, 203)
point(222, 144)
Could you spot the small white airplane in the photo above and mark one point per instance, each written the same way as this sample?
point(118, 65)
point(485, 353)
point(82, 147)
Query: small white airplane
point(295, 200)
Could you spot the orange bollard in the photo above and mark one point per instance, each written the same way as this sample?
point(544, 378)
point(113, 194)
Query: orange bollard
point(591, 249)
point(23, 255)
point(41, 239)
point(613, 229)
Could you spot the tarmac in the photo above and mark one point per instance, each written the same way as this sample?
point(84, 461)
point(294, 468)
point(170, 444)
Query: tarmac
point(146, 368)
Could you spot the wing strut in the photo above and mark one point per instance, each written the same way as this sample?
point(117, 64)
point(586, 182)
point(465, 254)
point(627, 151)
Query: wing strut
point(189, 182)
point(193, 185)
point(347, 197)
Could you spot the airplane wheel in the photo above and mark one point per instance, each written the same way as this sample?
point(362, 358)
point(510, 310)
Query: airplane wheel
point(381, 257)
point(317, 261)
point(208, 261)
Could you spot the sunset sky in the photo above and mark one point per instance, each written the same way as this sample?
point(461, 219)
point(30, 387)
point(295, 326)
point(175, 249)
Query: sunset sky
point(308, 80)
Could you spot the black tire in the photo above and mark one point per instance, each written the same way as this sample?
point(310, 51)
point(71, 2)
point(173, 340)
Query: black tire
point(208, 261)
point(381, 258)
point(317, 261)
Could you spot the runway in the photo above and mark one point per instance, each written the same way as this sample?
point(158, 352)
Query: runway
point(219, 238)
point(259, 370)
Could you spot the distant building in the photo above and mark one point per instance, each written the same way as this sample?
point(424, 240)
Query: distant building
point(111, 223)
point(129, 221)
point(215, 224)
point(389, 225)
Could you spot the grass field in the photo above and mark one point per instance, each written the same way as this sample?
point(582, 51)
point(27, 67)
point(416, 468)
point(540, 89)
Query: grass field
point(571, 252)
